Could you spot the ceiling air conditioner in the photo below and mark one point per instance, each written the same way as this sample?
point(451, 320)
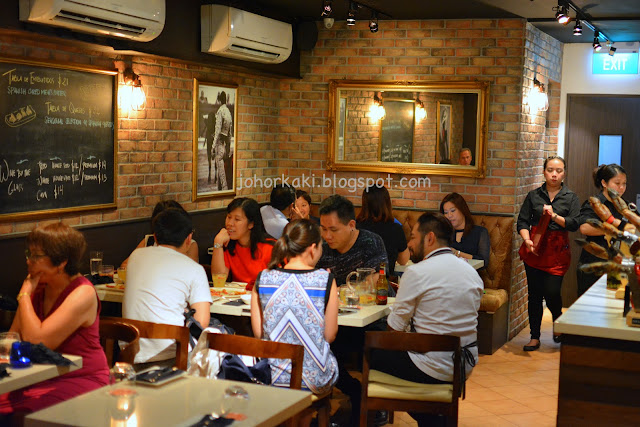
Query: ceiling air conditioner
point(138, 20)
point(231, 32)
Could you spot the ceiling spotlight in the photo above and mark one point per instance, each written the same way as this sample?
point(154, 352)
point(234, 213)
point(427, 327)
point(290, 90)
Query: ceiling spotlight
point(373, 22)
point(577, 30)
point(612, 51)
point(351, 16)
point(327, 8)
point(562, 14)
point(596, 45)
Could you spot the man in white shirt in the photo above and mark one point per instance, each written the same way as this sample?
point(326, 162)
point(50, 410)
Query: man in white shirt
point(275, 215)
point(162, 282)
point(439, 294)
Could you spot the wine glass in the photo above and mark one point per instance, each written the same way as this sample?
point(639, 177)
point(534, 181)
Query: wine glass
point(121, 373)
point(234, 399)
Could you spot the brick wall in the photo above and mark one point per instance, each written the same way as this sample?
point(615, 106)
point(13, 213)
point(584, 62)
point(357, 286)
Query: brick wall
point(282, 124)
point(537, 140)
point(502, 52)
point(155, 145)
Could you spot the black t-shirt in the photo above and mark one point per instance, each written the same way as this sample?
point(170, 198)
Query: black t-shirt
point(393, 237)
point(587, 212)
point(367, 252)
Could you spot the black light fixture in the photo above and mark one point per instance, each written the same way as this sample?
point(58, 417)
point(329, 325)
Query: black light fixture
point(577, 30)
point(327, 8)
point(351, 16)
point(612, 49)
point(596, 42)
point(373, 22)
point(562, 13)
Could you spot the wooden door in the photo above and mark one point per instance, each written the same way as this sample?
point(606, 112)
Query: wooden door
point(588, 117)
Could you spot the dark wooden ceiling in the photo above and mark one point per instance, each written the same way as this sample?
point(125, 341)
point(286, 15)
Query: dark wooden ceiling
point(619, 20)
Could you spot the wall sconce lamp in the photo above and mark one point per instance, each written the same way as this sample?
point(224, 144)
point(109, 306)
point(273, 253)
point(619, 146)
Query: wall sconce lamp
point(131, 95)
point(377, 111)
point(538, 100)
point(421, 113)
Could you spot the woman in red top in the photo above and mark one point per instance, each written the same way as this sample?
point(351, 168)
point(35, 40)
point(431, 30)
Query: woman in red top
point(57, 306)
point(241, 247)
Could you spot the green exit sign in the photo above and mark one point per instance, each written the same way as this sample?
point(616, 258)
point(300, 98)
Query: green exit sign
point(620, 63)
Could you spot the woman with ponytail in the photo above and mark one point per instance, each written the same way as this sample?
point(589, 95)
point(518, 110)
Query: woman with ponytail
point(293, 295)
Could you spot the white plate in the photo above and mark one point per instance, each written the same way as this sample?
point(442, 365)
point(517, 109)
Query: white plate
point(246, 298)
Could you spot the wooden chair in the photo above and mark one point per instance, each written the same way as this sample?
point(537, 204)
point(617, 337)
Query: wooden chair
point(113, 330)
point(238, 344)
point(162, 331)
point(383, 391)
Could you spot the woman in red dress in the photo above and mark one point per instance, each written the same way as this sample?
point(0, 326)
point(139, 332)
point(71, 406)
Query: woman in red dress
point(59, 307)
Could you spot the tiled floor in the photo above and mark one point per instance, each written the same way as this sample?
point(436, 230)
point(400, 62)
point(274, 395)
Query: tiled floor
point(511, 387)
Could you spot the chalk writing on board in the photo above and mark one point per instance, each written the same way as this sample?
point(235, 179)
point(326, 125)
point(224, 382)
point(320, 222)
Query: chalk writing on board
point(396, 132)
point(57, 138)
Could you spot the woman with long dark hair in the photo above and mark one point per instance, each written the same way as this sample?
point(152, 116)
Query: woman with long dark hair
point(470, 241)
point(547, 261)
point(604, 177)
point(241, 247)
point(294, 294)
point(376, 215)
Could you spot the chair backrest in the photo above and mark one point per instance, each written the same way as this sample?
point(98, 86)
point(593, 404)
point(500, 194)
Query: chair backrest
point(413, 341)
point(111, 332)
point(162, 331)
point(237, 344)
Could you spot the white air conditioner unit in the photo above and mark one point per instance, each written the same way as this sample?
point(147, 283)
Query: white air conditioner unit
point(231, 32)
point(139, 20)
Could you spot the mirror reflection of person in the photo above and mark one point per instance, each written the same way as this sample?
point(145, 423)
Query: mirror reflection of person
point(444, 136)
point(465, 157)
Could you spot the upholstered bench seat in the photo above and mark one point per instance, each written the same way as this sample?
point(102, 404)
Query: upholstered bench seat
point(390, 387)
point(493, 299)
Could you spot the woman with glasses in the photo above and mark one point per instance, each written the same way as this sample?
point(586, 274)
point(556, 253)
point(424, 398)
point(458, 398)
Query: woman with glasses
point(59, 307)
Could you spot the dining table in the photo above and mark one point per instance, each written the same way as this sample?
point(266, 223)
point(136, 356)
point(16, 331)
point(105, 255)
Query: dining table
point(233, 305)
point(182, 402)
point(23, 377)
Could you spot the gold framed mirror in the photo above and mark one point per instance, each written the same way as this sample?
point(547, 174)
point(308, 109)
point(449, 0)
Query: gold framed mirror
point(408, 127)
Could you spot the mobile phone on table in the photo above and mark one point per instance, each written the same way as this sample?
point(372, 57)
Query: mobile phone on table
point(158, 375)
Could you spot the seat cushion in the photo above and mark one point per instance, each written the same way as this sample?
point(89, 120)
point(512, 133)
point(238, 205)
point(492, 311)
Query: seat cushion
point(389, 387)
point(493, 299)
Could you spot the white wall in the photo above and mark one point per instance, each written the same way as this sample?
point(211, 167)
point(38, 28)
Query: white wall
point(578, 79)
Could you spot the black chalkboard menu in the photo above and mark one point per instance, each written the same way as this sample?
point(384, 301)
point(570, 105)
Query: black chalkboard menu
point(57, 139)
point(396, 132)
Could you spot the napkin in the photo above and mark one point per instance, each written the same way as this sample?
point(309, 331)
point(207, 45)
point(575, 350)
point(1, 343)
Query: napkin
point(42, 354)
point(99, 280)
point(208, 420)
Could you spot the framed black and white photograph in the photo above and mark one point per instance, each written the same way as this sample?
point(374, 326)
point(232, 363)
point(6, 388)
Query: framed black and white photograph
point(214, 139)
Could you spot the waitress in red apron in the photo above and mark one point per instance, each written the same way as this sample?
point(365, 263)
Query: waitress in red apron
point(546, 216)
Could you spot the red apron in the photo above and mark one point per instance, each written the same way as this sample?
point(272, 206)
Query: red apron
point(554, 253)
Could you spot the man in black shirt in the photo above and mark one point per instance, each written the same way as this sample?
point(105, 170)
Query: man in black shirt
point(346, 248)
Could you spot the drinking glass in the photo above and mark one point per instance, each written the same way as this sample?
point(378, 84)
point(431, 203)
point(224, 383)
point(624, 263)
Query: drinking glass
point(95, 258)
point(6, 340)
point(121, 372)
point(219, 280)
point(122, 274)
point(234, 399)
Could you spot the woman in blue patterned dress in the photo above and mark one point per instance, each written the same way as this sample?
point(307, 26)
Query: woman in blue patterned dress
point(296, 303)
